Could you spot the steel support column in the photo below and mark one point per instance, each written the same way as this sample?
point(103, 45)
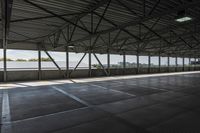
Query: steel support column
point(39, 63)
point(108, 55)
point(124, 62)
point(6, 8)
point(90, 48)
point(67, 62)
point(159, 63)
point(89, 63)
point(67, 51)
point(89, 52)
point(149, 63)
point(189, 64)
point(176, 63)
point(108, 61)
point(183, 63)
point(138, 63)
point(4, 60)
point(168, 63)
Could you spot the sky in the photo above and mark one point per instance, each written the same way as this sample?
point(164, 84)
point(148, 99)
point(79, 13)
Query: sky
point(61, 56)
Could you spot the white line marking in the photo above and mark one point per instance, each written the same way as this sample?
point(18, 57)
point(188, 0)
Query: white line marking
point(154, 88)
point(113, 90)
point(52, 114)
point(6, 118)
point(72, 96)
point(108, 89)
point(144, 86)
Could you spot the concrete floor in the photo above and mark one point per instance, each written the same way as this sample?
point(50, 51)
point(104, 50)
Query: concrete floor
point(127, 104)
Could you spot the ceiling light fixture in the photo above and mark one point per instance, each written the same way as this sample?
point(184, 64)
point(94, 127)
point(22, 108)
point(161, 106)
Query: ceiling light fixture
point(182, 17)
point(71, 46)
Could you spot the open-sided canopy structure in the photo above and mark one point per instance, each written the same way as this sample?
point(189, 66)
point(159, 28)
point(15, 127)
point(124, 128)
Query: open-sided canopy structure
point(135, 27)
point(144, 26)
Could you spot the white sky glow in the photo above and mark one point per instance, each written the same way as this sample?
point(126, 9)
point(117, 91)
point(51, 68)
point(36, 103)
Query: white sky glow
point(114, 59)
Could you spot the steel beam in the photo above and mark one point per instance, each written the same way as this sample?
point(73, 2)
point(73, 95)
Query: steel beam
point(149, 63)
point(122, 45)
point(83, 24)
point(145, 42)
point(155, 39)
point(138, 63)
point(67, 62)
point(72, 34)
point(56, 15)
point(124, 62)
point(189, 63)
point(108, 54)
point(67, 51)
point(150, 29)
point(104, 12)
point(165, 40)
point(127, 44)
point(52, 60)
point(4, 60)
point(43, 47)
point(144, 8)
point(115, 38)
point(138, 38)
point(39, 63)
point(183, 63)
point(90, 45)
point(187, 44)
point(91, 8)
point(133, 22)
point(57, 38)
point(154, 7)
point(101, 64)
point(94, 42)
point(168, 63)
point(89, 63)
point(159, 63)
point(115, 25)
point(176, 63)
point(6, 9)
point(44, 17)
point(77, 64)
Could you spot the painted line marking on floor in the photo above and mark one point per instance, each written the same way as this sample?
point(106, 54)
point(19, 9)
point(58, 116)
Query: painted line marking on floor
point(72, 96)
point(108, 89)
point(48, 115)
point(144, 86)
point(6, 117)
point(113, 90)
point(138, 85)
point(151, 87)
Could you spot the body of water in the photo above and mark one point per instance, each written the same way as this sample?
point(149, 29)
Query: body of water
point(16, 65)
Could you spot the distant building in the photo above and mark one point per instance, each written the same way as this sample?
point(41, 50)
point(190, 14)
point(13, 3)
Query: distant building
point(195, 62)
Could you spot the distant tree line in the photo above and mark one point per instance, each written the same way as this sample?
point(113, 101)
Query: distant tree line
point(24, 60)
point(133, 65)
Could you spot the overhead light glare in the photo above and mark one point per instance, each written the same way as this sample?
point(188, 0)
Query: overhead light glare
point(183, 19)
point(71, 46)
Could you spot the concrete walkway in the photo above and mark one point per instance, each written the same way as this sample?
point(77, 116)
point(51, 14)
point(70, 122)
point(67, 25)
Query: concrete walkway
point(122, 104)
